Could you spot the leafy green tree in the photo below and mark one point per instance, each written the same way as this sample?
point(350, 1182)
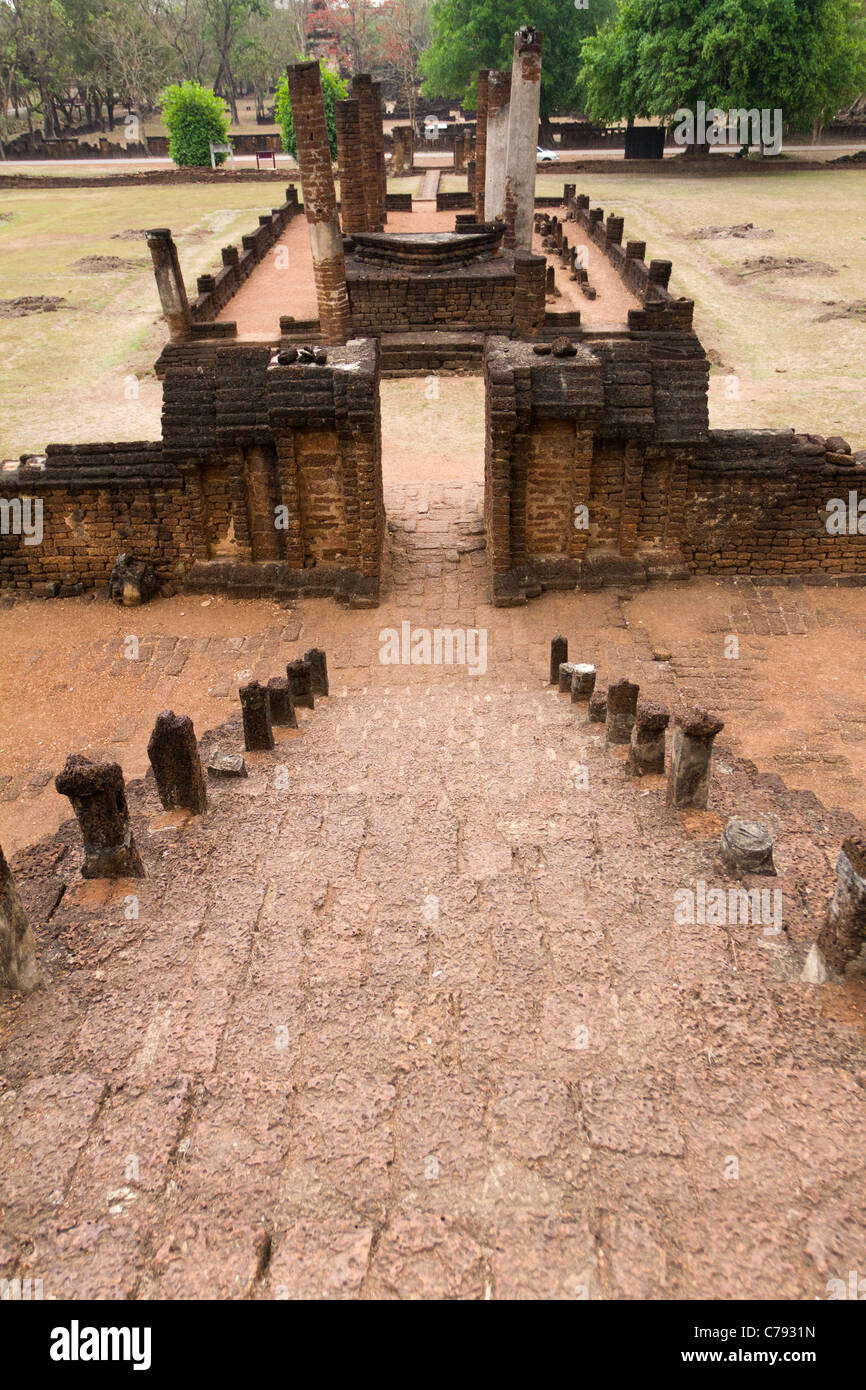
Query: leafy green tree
point(805, 57)
point(333, 89)
point(194, 117)
point(473, 34)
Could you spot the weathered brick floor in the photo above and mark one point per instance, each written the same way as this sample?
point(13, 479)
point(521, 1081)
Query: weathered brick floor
point(407, 1013)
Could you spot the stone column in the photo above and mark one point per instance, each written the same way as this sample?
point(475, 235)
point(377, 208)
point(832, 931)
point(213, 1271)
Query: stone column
point(582, 683)
point(19, 966)
point(256, 711)
point(843, 934)
point(496, 154)
point(379, 133)
point(621, 711)
point(318, 670)
point(747, 847)
point(300, 675)
point(320, 200)
point(647, 751)
point(566, 675)
point(558, 654)
point(173, 754)
point(282, 704)
point(597, 711)
point(689, 776)
point(353, 209)
point(362, 91)
point(522, 158)
point(169, 281)
point(481, 142)
point(98, 797)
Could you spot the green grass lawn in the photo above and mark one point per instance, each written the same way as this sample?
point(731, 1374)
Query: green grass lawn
point(73, 374)
point(454, 183)
point(791, 369)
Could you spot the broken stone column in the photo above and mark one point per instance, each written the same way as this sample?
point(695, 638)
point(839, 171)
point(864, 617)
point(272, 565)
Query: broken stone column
point(320, 200)
point(621, 711)
point(282, 704)
point(558, 654)
point(256, 710)
point(566, 672)
point(362, 91)
point(597, 711)
point(300, 674)
point(174, 757)
point(169, 281)
point(353, 209)
point(381, 170)
point(496, 154)
point(522, 157)
point(481, 143)
point(582, 682)
point(647, 751)
point(19, 966)
point(98, 797)
point(747, 847)
point(318, 670)
point(691, 754)
point(843, 934)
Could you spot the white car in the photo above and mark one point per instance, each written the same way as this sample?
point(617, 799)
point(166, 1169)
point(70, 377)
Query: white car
point(547, 156)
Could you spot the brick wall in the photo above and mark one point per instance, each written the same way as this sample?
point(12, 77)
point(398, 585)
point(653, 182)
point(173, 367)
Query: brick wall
point(215, 291)
point(617, 430)
point(504, 295)
point(242, 437)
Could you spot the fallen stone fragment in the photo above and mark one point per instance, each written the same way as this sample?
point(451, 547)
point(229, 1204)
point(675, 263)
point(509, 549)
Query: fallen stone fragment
point(98, 797)
point(19, 965)
point(748, 847)
point(226, 765)
point(133, 581)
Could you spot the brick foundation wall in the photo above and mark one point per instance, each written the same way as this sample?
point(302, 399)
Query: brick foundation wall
point(504, 295)
point(268, 478)
point(620, 430)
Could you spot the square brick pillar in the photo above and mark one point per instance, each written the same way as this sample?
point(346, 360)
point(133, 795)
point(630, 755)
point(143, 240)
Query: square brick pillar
point(320, 200)
point(496, 154)
point(362, 91)
point(352, 205)
point(379, 131)
point(522, 157)
point(481, 143)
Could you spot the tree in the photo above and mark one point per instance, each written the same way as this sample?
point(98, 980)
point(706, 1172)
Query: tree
point(134, 55)
point(405, 29)
point(194, 117)
point(333, 89)
point(803, 57)
point(473, 34)
point(226, 24)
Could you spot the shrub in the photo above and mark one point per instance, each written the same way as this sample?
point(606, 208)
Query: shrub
point(194, 117)
point(333, 89)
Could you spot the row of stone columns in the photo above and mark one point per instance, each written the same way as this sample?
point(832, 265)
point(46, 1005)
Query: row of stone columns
point(263, 706)
point(643, 726)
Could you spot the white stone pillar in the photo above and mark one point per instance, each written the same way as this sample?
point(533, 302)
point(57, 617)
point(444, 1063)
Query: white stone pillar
point(498, 104)
point(522, 158)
